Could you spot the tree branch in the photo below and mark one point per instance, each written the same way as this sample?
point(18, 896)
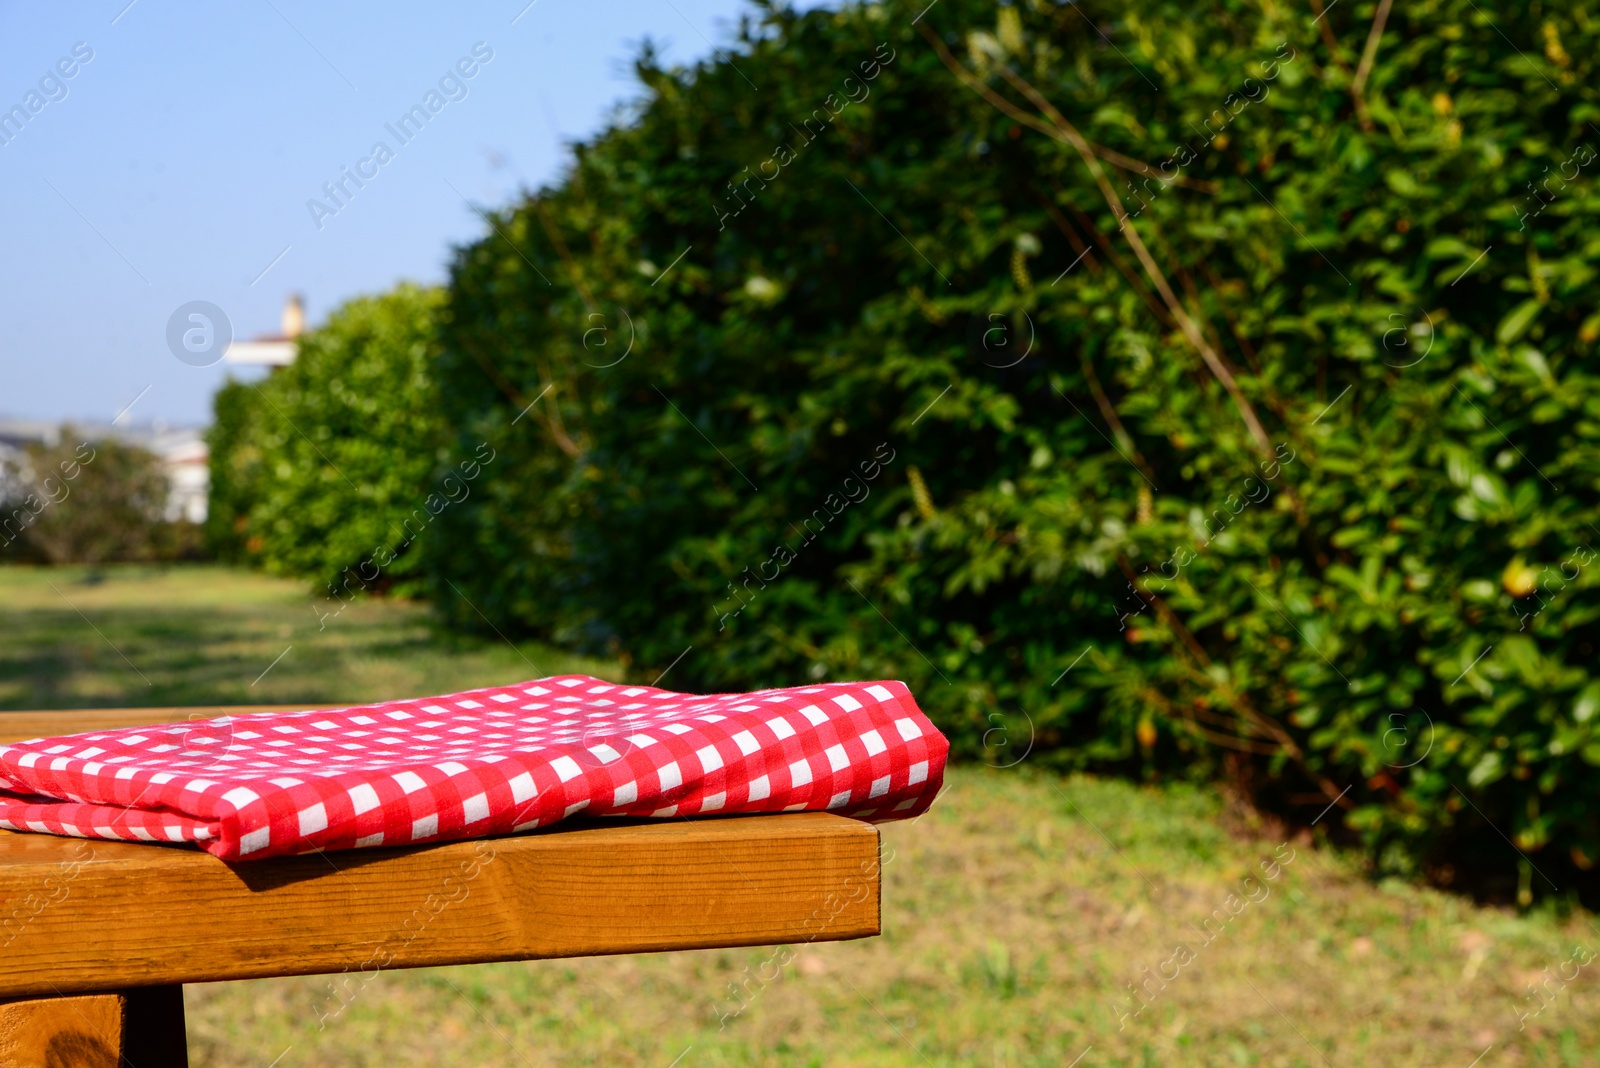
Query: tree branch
point(1064, 131)
point(1069, 232)
point(1127, 272)
point(1128, 163)
point(1327, 35)
point(1368, 55)
point(1103, 402)
point(1235, 700)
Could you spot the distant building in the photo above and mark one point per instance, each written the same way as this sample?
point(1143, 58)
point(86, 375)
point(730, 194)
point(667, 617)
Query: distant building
point(182, 451)
point(272, 350)
point(184, 456)
point(185, 459)
point(15, 434)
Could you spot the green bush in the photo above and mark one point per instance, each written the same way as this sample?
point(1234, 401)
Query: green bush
point(81, 502)
point(1228, 398)
point(233, 441)
point(326, 469)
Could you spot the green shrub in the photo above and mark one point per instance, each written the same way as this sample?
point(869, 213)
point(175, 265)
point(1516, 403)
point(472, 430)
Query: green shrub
point(233, 441)
point(1263, 471)
point(324, 469)
point(81, 502)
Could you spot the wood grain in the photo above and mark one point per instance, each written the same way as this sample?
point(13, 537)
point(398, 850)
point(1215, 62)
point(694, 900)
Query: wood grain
point(141, 1028)
point(81, 916)
point(23, 726)
point(53, 1031)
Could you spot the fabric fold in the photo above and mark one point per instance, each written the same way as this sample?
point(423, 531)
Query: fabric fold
point(478, 763)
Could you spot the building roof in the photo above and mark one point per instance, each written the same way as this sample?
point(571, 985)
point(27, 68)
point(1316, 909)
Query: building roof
point(272, 350)
point(261, 352)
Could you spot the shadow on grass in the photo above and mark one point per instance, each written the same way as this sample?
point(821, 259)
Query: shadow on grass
point(115, 649)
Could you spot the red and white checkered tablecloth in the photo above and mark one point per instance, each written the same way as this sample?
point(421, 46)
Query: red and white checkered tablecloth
point(478, 763)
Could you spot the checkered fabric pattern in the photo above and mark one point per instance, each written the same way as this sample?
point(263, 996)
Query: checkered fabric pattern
point(479, 763)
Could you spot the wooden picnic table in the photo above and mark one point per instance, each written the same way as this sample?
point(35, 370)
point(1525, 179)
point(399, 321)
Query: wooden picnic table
point(97, 937)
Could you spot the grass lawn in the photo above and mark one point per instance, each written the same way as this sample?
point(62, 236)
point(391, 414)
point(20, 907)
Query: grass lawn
point(1015, 913)
point(141, 636)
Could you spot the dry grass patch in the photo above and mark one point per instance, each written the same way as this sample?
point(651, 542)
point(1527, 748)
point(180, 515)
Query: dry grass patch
point(1015, 913)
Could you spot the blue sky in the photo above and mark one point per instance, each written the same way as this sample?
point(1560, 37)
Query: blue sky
point(176, 164)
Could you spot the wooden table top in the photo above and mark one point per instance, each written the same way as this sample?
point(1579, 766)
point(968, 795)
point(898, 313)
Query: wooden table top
point(81, 915)
point(20, 726)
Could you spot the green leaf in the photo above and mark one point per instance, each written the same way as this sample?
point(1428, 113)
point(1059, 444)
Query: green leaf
point(1517, 321)
point(1486, 770)
point(1587, 704)
point(1402, 182)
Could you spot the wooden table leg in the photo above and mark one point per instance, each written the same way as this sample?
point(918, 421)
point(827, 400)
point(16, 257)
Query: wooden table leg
point(153, 1034)
point(140, 1028)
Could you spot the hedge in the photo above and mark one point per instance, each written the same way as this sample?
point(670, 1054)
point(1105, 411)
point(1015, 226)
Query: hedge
point(329, 468)
point(1159, 394)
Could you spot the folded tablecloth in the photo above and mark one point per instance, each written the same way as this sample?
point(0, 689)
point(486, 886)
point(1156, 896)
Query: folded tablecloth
point(478, 763)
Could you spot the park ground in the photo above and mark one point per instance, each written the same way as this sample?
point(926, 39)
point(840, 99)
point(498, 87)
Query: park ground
point(1015, 913)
